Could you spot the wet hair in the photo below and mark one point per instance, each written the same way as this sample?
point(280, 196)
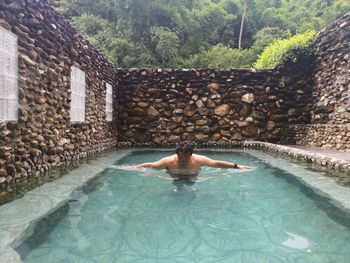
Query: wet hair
point(186, 147)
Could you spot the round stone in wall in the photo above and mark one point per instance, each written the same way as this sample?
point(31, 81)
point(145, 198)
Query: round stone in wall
point(188, 111)
point(213, 87)
point(248, 98)
point(270, 125)
point(201, 137)
point(250, 131)
point(152, 112)
point(222, 110)
point(216, 136)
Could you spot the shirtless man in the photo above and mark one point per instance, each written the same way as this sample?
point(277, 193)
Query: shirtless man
point(185, 166)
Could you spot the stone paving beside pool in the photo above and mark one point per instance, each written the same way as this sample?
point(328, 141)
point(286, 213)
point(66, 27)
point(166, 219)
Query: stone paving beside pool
point(332, 160)
point(331, 153)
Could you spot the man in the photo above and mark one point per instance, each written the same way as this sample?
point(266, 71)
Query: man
point(185, 166)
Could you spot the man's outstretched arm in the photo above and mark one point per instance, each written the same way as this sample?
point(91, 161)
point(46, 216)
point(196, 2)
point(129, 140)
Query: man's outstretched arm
point(222, 164)
point(161, 164)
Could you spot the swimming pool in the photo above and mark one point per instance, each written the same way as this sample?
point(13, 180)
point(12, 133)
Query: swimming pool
point(264, 215)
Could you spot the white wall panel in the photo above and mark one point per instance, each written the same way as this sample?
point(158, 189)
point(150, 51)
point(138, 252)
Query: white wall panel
point(8, 76)
point(77, 110)
point(109, 102)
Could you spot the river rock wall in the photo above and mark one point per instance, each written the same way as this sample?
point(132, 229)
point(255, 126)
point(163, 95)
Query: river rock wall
point(332, 78)
point(168, 105)
point(43, 137)
point(330, 115)
point(336, 136)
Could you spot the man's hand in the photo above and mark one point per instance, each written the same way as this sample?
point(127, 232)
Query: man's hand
point(244, 167)
point(144, 165)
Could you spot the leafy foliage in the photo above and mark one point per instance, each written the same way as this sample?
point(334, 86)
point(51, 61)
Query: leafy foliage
point(222, 57)
point(267, 35)
point(176, 33)
point(166, 43)
point(291, 49)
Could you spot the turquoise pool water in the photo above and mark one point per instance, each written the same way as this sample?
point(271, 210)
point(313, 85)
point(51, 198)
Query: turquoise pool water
point(261, 216)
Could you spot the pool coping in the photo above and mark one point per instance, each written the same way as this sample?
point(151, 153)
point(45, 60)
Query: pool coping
point(60, 190)
point(16, 224)
point(309, 156)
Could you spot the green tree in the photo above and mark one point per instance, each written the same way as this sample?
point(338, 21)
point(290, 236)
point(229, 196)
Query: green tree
point(135, 33)
point(96, 29)
point(166, 44)
point(292, 49)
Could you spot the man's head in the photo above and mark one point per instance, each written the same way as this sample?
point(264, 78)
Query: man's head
point(184, 151)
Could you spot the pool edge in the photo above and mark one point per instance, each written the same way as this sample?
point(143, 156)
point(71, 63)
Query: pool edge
point(13, 234)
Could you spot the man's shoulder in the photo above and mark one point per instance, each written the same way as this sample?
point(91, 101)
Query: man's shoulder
point(168, 158)
point(199, 157)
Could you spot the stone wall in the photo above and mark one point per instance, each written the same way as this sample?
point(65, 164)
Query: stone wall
point(162, 105)
point(332, 78)
point(335, 136)
point(331, 91)
point(44, 138)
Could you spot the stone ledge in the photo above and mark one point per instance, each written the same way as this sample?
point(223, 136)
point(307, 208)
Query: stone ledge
point(65, 161)
point(18, 217)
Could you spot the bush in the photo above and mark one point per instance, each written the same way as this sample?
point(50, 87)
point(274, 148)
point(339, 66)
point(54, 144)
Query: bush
point(221, 57)
point(295, 48)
